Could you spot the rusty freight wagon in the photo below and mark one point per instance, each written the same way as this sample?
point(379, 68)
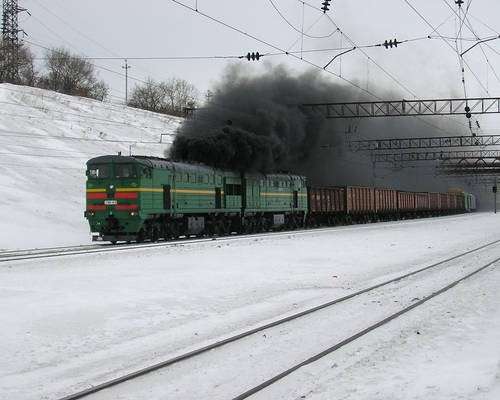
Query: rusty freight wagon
point(327, 205)
point(406, 202)
point(386, 201)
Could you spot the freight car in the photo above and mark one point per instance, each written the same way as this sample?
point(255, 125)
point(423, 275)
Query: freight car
point(345, 205)
point(145, 198)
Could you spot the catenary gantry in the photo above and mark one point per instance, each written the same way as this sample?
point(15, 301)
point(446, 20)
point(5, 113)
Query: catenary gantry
point(404, 108)
point(424, 143)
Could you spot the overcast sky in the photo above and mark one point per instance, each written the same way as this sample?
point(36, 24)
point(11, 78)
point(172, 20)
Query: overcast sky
point(161, 28)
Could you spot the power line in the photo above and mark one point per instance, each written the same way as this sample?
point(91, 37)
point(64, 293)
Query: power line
point(56, 167)
point(42, 155)
point(62, 20)
point(301, 31)
point(8, 133)
point(448, 44)
point(95, 65)
point(227, 25)
point(9, 71)
point(68, 99)
point(394, 78)
point(72, 47)
point(27, 146)
point(86, 118)
point(478, 40)
point(227, 57)
point(80, 32)
point(160, 58)
point(240, 31)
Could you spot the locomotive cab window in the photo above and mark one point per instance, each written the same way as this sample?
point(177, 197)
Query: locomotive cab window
point(99, 171)
point(125, 171)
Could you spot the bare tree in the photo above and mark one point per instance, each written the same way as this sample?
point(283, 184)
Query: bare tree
point(71, 74)
point(179, 94)
point(25, 63)
point(147, 96)
point(169, 97)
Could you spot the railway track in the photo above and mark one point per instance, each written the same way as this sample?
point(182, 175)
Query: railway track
point(251, 332)
point(64, 251)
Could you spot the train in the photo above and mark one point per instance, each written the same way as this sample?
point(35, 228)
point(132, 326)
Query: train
point(139, 198)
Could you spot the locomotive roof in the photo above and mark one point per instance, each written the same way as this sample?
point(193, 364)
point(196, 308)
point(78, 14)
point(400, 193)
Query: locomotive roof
point(157, 162)
point(154, 162)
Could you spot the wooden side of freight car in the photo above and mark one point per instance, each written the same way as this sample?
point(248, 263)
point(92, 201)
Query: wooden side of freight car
point(406, 201)
point(422, 201)
point(327, 199)
point(444, 201)
point(386, 201)
point(360, 200)
point(435, 201)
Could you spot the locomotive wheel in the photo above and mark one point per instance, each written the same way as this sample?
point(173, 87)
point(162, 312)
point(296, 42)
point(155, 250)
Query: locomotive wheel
point(154, 234)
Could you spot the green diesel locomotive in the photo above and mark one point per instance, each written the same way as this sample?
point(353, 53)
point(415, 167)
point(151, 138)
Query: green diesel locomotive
point(137, 198)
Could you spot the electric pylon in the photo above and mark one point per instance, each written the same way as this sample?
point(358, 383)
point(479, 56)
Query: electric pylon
point(9, 51)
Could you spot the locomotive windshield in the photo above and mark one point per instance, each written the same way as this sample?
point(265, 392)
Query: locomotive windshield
point(125, 171)
point(99, 171)
point(104, 171)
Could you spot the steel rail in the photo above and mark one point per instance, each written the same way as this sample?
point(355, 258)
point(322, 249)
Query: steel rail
point(105, 248)
point(41, 250)
point(362, 333)
point(234, 338)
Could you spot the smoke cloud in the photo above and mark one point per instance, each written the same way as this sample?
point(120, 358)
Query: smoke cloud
point(254, 123)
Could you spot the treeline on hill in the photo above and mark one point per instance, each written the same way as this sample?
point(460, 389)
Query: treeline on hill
point(71, 74)
point(61, 71)
point(168, 97)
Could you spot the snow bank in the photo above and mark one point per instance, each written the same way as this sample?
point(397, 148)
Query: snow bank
point(98, 316)
point(45, 139)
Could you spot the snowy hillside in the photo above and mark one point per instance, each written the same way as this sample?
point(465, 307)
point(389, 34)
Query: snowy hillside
point(45, 139)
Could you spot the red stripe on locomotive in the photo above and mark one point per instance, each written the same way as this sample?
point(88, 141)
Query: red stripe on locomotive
point(126, 195)
point(96, 207)
point(96, 196)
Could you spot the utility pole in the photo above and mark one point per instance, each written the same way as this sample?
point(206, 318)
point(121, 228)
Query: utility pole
point(126, 67)
point(9, 72)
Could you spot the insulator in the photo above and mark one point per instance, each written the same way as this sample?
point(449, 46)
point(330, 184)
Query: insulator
point(326, 6)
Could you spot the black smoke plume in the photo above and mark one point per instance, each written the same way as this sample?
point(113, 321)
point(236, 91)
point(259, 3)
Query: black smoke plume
point(256, 123)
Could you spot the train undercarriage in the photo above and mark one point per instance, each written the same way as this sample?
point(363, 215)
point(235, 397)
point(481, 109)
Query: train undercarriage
point(165, 227)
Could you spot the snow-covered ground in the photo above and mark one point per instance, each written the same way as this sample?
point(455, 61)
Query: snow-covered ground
point(46, 139)
point(71, 322)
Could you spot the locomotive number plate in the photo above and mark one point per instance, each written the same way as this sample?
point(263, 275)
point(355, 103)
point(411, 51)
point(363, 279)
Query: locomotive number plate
point(110, 202)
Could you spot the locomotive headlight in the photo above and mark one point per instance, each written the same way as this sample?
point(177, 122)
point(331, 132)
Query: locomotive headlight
point(133, 214)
